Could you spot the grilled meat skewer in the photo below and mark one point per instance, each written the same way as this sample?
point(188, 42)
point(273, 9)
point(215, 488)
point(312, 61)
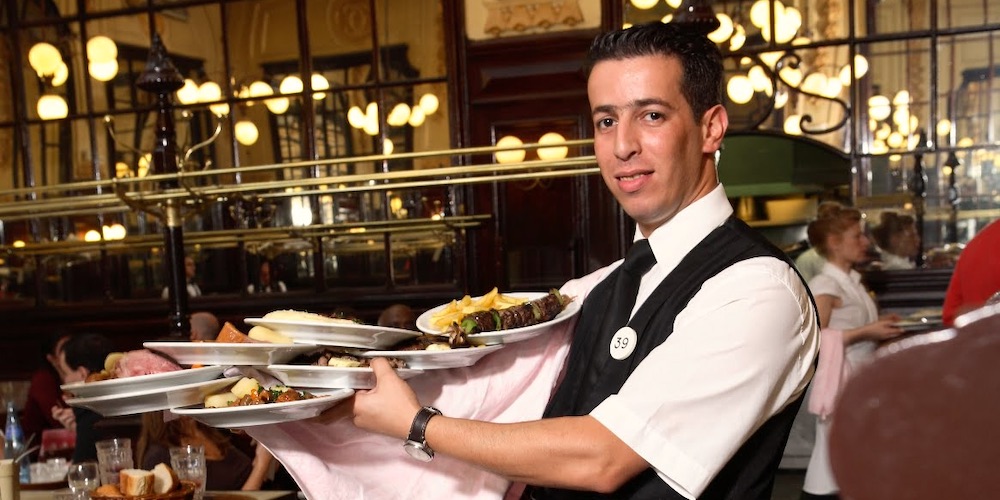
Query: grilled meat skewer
point(530, 313)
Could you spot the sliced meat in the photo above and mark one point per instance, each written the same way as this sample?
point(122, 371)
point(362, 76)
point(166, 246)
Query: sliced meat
point(143, 362)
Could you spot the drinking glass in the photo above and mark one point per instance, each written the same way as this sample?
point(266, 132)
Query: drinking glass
point(189, 463)
point(113, 455)
point(83, 477)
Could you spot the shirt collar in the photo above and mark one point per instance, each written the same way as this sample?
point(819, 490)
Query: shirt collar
point(838, 273)
point(678, 236)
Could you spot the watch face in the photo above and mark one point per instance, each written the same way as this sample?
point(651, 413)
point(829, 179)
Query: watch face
point(418, 451)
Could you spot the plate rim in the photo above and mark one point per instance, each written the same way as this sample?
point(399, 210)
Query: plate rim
point(329, 398)
point(150, 392)
point(149, 378)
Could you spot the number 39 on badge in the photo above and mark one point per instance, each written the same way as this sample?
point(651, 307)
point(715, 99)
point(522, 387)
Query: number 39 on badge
point(623, 343)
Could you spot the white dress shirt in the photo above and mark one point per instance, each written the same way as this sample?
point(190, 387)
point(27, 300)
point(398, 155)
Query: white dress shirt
point(192, 288)
point(741, 351)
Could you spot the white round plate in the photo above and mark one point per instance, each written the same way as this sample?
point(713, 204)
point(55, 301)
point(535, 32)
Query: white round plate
point(434, 360)
point(504, 336)
point(270, 413)
point(330, 377)
point(161, 398)
point(228, 353)
point(336, 334)
point(142, 382)
point(917, 325)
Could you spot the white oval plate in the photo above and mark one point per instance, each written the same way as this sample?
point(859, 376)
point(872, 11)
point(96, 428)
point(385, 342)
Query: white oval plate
point(330, 377)
point(504, 336)
point(336, 334)
point(161, 398)
point(228, 353)
point(434, 360)
point(142, 382)
point(270, 413)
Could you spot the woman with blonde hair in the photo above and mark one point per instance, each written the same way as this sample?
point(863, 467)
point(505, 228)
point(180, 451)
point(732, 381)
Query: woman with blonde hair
point(228, 467)
point(848, 316)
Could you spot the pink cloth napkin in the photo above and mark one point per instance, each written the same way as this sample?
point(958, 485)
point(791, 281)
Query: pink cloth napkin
point(831, 373)
point(337, 460)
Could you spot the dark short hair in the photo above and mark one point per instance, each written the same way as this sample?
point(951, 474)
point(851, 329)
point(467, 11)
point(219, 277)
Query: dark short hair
point(699, 57)
point(88, 350)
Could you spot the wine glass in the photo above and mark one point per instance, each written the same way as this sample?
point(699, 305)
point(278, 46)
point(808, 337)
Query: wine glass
point(83, 477)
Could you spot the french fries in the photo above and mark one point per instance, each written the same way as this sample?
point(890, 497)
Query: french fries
point(457, 309)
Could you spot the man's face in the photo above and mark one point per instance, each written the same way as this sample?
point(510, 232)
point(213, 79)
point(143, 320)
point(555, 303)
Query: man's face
point(265, 274)
point(654, 156)
point(189, 267)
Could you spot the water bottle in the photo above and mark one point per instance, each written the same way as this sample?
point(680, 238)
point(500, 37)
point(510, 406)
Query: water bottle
point(14, 443)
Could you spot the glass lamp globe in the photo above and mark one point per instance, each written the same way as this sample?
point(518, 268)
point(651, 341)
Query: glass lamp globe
point(740, 89)
point(511, 156)
point(52, 107)
point(260, 89)
point(246, 132)
point(101, 49)
point(399, 115)
point(319, 82)
point(429, 102)
point(188, 94)
point(61, 74)
point(44, 58)
point(553, 153)
point(645, 4)
point(417, 116)
point(103, 71)
point(356, 117)
point(290, 85)
point(278, 105)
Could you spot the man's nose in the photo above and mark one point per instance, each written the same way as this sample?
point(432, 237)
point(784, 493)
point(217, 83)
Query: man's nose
point(626, 142)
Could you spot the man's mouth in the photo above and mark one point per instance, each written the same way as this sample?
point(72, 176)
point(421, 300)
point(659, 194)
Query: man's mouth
point(630, 177)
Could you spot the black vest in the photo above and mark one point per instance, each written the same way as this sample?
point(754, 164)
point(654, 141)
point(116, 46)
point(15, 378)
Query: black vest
point(592, 375)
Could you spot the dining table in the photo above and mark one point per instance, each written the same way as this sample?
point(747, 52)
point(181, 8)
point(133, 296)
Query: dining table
point(209, 495)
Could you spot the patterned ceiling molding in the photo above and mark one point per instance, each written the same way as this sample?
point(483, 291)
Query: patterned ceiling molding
point(516, 16)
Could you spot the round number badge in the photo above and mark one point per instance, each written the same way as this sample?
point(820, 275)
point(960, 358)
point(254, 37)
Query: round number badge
point(623, 343)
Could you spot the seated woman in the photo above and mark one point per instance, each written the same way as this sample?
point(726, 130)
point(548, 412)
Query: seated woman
point(844, 305)
point(898, 240)
point(228, 467)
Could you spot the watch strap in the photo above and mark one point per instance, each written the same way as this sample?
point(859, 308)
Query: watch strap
point(419, 426)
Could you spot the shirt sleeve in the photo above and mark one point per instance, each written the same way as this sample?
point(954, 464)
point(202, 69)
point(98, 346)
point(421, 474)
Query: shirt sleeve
point(824, 285)
point(740, 351)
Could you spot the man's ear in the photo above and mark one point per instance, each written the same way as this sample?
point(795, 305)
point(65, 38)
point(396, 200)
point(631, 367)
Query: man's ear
point(714, 124)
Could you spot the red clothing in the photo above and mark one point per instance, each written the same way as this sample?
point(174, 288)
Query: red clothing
point(977, 274)
point(43, 394)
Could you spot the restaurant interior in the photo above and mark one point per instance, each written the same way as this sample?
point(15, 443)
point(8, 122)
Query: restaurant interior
point(376, 152)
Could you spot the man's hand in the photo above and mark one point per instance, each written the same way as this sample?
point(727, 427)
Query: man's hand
point(389, 408)
point(64, 416)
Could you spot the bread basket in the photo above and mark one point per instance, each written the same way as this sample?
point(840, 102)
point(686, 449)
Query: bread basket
point(185, 492)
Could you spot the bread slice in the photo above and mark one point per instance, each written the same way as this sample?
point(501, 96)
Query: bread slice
point(230, 334)
point(265, 334)
point(135, 482)
point(108, 490)
point(165, 479)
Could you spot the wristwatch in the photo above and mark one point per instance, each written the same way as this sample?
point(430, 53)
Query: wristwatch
point(416, 443)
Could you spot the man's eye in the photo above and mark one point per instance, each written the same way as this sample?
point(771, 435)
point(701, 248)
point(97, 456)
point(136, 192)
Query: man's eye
point(655, 115)
point(605, 122)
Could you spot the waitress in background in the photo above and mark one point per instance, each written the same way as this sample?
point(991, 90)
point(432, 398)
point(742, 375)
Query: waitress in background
point(844, 305)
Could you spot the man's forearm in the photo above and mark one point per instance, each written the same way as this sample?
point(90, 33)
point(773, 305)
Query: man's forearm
point(568, 452)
